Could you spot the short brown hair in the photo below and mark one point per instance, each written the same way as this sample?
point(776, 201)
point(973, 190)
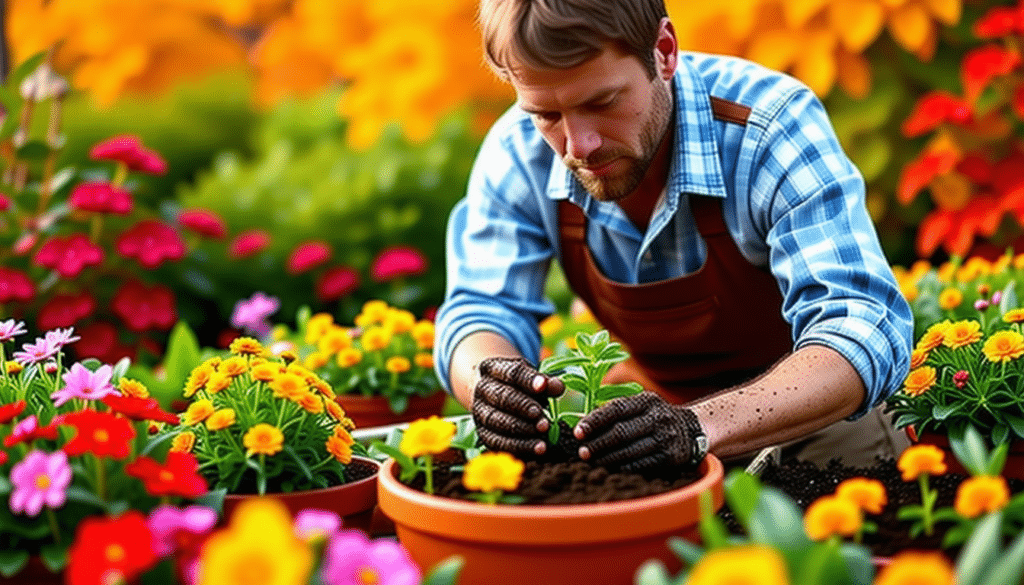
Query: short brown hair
point(561, 34)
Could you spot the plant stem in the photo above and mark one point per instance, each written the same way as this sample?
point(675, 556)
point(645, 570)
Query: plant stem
point(54, 527)
point(926, 504)
point(101, 479)
point(428, 468)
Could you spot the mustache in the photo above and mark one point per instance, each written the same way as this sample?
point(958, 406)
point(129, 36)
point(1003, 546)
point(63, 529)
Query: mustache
point(596, 159)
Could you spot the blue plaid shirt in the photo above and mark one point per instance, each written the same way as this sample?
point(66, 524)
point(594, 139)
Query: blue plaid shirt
point(792, 201)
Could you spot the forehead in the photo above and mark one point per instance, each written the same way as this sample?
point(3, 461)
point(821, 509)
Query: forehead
point(549, 89)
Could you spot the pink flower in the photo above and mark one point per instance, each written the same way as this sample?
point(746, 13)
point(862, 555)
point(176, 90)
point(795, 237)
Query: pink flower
point(128, 149)
point(151, 242)
point(248, 243)
point(40, 351)
point(144, 307)
point(61, 337)
point(5, 202)
point(15, 286)
point(64, 310)
point(177, 528)
point(10, 329)
point(312, 523)
point(336, 282)
point(40, 479)
point(960, 378)
point(252, 314)
point(980, 304)
point(203, 222)
point(101, 198)
point(352, 559)
point(70, 255)
point(84, 384)
point(308, 256)
point(29, 430)
point(397, 261)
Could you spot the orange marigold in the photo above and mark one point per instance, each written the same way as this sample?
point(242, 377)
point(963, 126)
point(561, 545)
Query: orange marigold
point(398, 364)
point(832, 515)
point(950, 298)
point(246, 346)
point(183, 442)
point(917, 568)
point(1004, 346)
point(1014, 316)
point(962, 334)
point(919, 381)
point(221, 419)
point(868, 494)
point(316, 360)
point(265, 372)
point(288, 385)
point(919, 459)
point(132, 388)
point(933, 336)
point(981, 494)
point(339, 449)
point(233, 366)
point(918, 357)
point(263, 439)
point(218, 381)
point(197, 412)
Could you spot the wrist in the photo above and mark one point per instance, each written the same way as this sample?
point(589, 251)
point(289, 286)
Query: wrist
point(698, 437)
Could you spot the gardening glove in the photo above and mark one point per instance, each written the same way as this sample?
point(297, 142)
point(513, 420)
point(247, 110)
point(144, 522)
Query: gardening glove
point(508, 408)
point(640, 433)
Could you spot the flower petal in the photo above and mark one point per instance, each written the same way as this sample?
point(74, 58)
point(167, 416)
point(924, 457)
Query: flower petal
point(858, 22)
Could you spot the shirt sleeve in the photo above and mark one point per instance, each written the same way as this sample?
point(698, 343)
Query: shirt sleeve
point(838, 288)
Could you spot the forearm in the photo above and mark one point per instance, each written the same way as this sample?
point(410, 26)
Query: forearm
point(809, 389)
point(473, 349)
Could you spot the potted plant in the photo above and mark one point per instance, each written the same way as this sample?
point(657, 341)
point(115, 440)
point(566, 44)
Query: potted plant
point(265, 425)
point(493, 522)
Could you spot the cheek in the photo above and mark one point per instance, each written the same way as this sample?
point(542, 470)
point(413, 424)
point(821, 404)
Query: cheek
point(555, 139)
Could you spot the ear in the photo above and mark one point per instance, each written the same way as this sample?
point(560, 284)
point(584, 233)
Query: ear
point(666, 50)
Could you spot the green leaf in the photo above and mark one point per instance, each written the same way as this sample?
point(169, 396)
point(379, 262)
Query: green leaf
point(942, 412)
point(409, 468)
point(576, 382)
point(76, 493)
point(1009, 300)
point(997, 459)
point(858, 562)
point(554, 432)
point(711, 527)
point(446, 572)
point(777, 520)
point(1015, 423)
point(398, 403)
point(1000, 433)
point(12, 562)
point(183, 354)
point(652, 572)
point(54, 556)
point(970, 450)
point(120, 368)
point(1009, 567)
point(742, 492)
point(980, 551)
point(306, 471)
point(34, 150)
point(26, 68)
point(613, 391)
point(686, 551)
point(558, 363)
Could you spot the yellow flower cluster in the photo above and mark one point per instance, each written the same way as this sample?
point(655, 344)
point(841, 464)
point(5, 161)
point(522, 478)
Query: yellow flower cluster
point(954, 276)
point(914, 567)
point(747, 564)
point(427, 436)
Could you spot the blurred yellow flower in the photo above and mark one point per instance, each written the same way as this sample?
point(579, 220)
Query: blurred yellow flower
point(197, 412)
point(427, 436)
point(133, 388)
point(334, 340)
point(1014, 316)
point(221, 419)
point(265, 372)
point(751, 564)
point(981, 494)
point(349, 357)
point(263, 439)
point(183, 442)
point(961, 334)
point(832, 515)
point(917, 460)
point(424, 360)
point(13, 368)
point(868, 494)
point(398, 364)
point(1003, 346)
point(551, 325)
point(316, 360)
point(917, 568)
point(399, 320)
point(246, 346)
point(423, 333)
point(376, 338)
point(493, 471)
point(317, 326)
point(234, 366)
point(950, 298)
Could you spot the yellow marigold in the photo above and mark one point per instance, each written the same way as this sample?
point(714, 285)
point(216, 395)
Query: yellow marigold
point(427, 436)
point(920, 459)
point(909, 291)
point(374, 311)
point(493, 471)
point(334, 340)
point(197, 412)
point(288, 355)
point(218, 381)
point(183, 442)
point(339, 449)
point(265, 372)
point(981, 494)
point(334, 410)
point(347, 423)
point(832, 515)
point(917, 568)
point(1004, 346)
point(551, 325)
point(919, 381)
point(950, 298)
point(317, 326)
point(962, 334)
point(132, 388)
point(213, 362)
point(918, 357)
point(424, 360)
point(349, 357)
point(321, 386)
point(751, 564)
point(310, 402)
point(316, 360)
point(233, 366)
point(423, 333)
point(246, 346)
point(376, 338)
point(263, 439)
point(341, 432)
point(197, 379)
point(1014, 316)
point(946, 272)
point(288, 385)
point(934, 336)
point(398, 364)
point(975, 267)
point(868, 494)
point(13, 368)
point(221, 419)
point(399, 320)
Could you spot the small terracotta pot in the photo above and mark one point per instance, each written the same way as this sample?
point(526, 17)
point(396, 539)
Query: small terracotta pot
point(1014, 467)
point(584, 544)
point(373, 411)
point(354, 502)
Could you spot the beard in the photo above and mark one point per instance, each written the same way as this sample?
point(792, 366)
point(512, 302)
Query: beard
point(615, 187)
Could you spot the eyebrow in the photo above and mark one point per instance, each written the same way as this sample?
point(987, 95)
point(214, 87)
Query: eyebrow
point(597, 97)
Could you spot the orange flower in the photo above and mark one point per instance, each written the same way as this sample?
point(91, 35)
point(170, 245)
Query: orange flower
point(917, 358)
point(323, 387)
point(376, 338)
point(264, 439)
point(316, 360)
point(342, 451)
point(933, 336)
point(868, 494)
point(745, 564)
point(218, 381)
point(221, 419)
point(310, 402)
point(919, 381)
point(1004, 346)
point(832, 515)
point(917, 568)
point(233, 366)
point(424, 360)
point(197, 379)
point(265, 372)
point(920, 459)
point(962, 334)
point(349, 357)
point(133, 388)
point(1014, 315)
point(980, 494)
point(423, 333)
point(246, 346)
point(950, 298)
point(197, 412)
point(398, 364)
point(334, 409)
point(183, 442)
point(288, 385)
point(334, 340)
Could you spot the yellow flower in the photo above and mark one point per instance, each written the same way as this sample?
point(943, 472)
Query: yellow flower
point(322, 387)
point(551, 325)
point(233, 366)
point(398, 364)
point(197, 379)
point(934, 336)
point(920, 459)
point(493, 471)
point(1018, 261)
point(221, 419)
point(263, 438)
point(376, 338)
point(751, 564)
point(310, 402)
point(832, 515)
point(316, 360)
point(246, 346)
point(1004, 346)
point(975, 267)
point(1014, 315)
point(950, 298)
point(334, 340)
point(218, 381)
point(259, 546)
point(917, 568)
point(334, 410)
point(183, 442)
point(339, 449)
point(917, 358)
point(265, 372)
point(213, 362)
point(132, 388)
point(317, 326)
point(341, 432)
point(288, 355)
point(423, 333)
point(288, 385)
point(981, 494)
point(962, 334)
point(349, 357)
point(919, 381)
point(373, 312)
point(14, 368)
point(427, 436)
point(868, 494)
point(197, 412)
point(399, 320)
point(424, 360)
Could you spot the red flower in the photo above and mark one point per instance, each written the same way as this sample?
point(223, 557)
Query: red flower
point(49, 432)
point(101, 433)
point(956, 230)
point(139, 408)
point(101, 198)
point(983, 64)
point(3, 457)
point(918, 173)
point(99, 340)
point(144, 307)
point(151, 242)
point(203, 222)
point(397, 261)
point(9, 411)
point(248, 243)
point(110, 550)
point(15, 286)
point(70, 255)
point(128, 149)
point(1001, 21)
point(178, 477)
point(308, 256)
point(64, 310)
point(5, 202)
point(934, 108)
point(1008, 177)
point(336, 282)
point(976, 168)
point(960, 378)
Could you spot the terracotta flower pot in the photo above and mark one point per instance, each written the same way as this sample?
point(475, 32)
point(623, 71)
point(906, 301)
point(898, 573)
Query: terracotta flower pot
point(1014, 467)
point(585, 544)
point(373, 411)
point(354, 501)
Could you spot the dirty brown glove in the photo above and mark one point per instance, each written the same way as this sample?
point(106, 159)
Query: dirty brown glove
point(641, 433)
point(508, 406)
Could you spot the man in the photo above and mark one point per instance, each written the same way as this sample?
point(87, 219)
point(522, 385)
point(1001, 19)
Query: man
point(702, 207)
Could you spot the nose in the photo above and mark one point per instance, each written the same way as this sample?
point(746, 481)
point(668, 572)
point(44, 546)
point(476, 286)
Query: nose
point(581, 138)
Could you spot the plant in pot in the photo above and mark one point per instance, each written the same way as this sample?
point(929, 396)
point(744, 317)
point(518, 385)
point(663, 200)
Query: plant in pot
point(517, 524)
point(265, 425)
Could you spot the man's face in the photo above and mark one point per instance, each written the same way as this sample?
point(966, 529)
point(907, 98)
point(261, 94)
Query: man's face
point(605, 118)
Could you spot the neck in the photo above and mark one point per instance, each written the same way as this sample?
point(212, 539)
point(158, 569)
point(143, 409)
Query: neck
point(639, 205)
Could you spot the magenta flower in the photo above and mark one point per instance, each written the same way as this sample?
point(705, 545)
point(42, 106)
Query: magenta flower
point(144, 307)
point(312, 523)
point(960, 378)
point(101, 198)
point(252, 314)
point(64, 310)
point(62, 337)
point(15, 286)
point(39, 479)
point(151, 242)
point(248, 243)
point(33, 353)
point(203, 222)
point(127, 149)
point(10, 329)
point(397, 261)
point(307, 256)
point(352, 559)
point(5, 202)
point(81, 383)
point(336, 282)
point(70, 255)
point(174, 528)
point(997, 297)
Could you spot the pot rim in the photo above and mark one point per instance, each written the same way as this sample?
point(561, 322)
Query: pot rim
point(352, 485)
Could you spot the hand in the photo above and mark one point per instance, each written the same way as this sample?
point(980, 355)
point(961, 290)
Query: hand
point(641, 432)
point(506, 405)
